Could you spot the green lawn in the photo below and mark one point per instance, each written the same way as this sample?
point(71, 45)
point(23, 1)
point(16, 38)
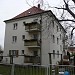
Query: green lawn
point(5, 70)
point(30, 71)
point(23, 70)
point(27, 70)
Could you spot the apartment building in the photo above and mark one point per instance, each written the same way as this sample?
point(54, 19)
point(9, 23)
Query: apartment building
point(31, 36)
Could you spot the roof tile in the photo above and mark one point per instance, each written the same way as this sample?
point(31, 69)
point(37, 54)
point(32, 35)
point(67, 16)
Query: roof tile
point(31, 11)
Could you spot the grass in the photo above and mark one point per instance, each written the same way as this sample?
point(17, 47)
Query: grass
point(22, 70)
point(30, 71)
point(26, 70)
point(5, 70)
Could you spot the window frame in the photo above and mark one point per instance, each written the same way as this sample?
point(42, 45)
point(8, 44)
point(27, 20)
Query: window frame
point(15, 25)
point(14, 53)
point(53, 39)
point(57, 54)
point(53, 54)
point(22, 51)
point(57, 40)
point(23, 37)
point(57, 28)
point(14, 39)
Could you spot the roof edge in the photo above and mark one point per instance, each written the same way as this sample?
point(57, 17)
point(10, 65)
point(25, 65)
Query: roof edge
point(25, 16)
point(36, 14)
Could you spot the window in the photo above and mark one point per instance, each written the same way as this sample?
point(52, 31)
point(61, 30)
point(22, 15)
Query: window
point(53, 23)
point(57, 28)
point(22, 51)
point(53, 39)
point(14, 52)
point(57, 54)
point(24, 23)
point(15, 26)
point(57, 40)
point(23, 37)
point(60, 36)
point(53, 53)
point(60, 28)
point(14, 39)
point(40, 21)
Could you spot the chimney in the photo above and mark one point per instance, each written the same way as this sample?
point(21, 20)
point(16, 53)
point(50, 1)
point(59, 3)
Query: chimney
point(39, 6)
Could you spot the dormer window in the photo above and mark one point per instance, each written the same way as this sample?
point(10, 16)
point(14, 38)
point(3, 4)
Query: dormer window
point(29, 12)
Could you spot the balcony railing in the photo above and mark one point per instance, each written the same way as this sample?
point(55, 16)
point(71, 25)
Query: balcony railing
point(32, 43)
point(34, 26)
point(32, 59)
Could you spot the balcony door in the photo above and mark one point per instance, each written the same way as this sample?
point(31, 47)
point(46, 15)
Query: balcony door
point(35, 53)
point(35, 36)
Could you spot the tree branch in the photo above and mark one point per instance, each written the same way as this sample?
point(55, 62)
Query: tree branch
point(67, 8)
point(73, 1)
point(67, 20)
point(59, 8)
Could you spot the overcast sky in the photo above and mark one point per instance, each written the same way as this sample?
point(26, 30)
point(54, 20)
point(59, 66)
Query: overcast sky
point(11, 8)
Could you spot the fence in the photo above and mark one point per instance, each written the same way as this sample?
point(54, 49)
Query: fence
point(16, 69)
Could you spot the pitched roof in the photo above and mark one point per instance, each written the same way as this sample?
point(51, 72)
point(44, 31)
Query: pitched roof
point(31, 11)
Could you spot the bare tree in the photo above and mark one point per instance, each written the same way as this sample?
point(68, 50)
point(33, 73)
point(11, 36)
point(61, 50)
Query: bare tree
point(67, 15)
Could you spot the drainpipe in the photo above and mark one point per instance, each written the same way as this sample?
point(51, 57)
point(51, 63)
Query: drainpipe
point(40, 38)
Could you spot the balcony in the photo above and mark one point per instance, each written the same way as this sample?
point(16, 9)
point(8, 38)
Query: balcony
point(32, 59)
point(32, 43)
point(31, 27)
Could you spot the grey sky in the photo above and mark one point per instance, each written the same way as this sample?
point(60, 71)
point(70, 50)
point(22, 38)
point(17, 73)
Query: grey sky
point(11, 8)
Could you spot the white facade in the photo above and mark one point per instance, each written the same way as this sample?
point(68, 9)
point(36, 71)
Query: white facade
point(51, 34)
